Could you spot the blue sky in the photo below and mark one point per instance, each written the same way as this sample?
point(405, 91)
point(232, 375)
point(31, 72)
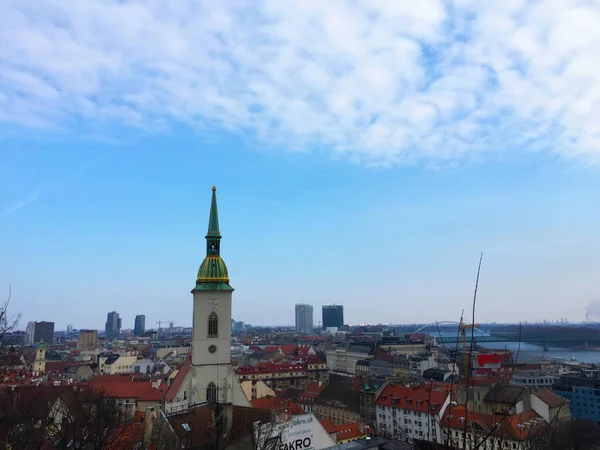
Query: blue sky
point(359, 165)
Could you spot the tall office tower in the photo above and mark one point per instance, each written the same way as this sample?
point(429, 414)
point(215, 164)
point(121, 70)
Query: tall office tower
point(87, 340)
point(333, 316)
point(304, 318)
point(140, 325)
point(113, 325)
point(29, 334)
point(43, 331)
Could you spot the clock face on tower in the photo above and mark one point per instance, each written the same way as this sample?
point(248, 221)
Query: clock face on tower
point(213, 303)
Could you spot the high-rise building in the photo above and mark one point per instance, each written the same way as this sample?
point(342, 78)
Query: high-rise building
point(304, 318)
point(333, 316)
point(140, 325)
point(87, 340)
point(113, 325)
point(43, 331)
point(29, 334)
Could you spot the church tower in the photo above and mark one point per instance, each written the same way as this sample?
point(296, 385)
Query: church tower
point(39, 364)
point(213, 379)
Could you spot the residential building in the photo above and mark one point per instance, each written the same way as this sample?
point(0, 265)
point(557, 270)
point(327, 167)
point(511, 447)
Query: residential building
point(115, 364)
point(370, 389)
point(304, 318)
point(113, 325)
point(306, 399)
point(339, 401)
point(277, 376)
point(343, 359)
point(550, 406)
point(132, 396)
point(87, 340)
point(412, 412)
point(490, 431)
point(256, 389)
point(333, 316)
point(143, 366)
point(502, 399)
point(43, 332)
point(421, 362)
point(140, 325)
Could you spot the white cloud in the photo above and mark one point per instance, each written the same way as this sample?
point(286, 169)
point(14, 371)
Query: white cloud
point(376, 81)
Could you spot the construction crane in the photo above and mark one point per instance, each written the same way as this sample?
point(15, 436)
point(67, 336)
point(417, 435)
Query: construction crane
point(162, 321)
point(463, 327)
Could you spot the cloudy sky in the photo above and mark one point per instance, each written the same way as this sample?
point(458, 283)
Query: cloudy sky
point(365, 153)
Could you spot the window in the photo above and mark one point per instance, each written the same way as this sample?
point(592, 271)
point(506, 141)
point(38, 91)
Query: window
point(213, 325)
point(211, 393)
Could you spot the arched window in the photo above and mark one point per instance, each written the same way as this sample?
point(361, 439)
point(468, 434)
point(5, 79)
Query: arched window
point(211, 393)
point(213, 325)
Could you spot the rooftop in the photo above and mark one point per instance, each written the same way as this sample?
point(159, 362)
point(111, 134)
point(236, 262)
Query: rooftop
point(422, 398)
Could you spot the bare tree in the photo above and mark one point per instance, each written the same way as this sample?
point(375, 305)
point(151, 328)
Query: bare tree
point(59, 417)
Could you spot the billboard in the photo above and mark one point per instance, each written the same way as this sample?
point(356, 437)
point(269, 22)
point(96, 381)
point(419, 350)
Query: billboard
point(303, 432)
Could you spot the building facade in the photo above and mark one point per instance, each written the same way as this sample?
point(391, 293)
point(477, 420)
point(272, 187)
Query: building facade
point(582, 390)
point(43, 332)
point(140, 325)
point(411, 413)
point(304, 318)
point(333, 316)
point(112, 327)
point(87, 340)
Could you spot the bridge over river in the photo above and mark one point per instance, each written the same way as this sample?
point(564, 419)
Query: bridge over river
point(545, 335)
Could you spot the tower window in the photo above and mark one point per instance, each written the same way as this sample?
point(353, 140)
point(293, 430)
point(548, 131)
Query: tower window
point(213, 325)
point(211, 393)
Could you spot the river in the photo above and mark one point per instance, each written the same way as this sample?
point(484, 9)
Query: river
point(529, 353)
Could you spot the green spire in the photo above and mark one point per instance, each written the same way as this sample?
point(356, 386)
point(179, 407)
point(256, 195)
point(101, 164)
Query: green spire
point(212, 274)
point(213, 221)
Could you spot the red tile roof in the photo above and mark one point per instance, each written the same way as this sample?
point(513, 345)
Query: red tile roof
point(551, 399)
point(312, 391)
point(142, 390)
point(421, 398)
point(353, 430)
point(270, 368)
point(119, 378)
point(128, 435)
point(519, 427)
point(179, 378)
point(328, 425)
point(277, 404)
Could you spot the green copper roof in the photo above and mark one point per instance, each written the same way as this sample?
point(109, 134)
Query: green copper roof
point(212, 274)
point(213, 220)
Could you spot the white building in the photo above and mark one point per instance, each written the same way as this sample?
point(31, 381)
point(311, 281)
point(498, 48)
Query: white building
point(420, 363)
point(304, 318)
point(405, 412)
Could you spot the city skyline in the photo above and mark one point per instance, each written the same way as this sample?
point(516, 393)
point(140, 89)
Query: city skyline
point(355, 165)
